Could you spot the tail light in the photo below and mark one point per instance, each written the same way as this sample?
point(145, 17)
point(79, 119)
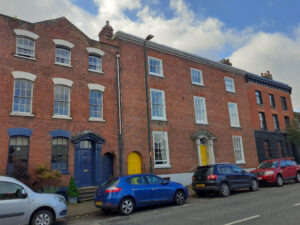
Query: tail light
point(193, 178)
point(212, 177)
point(113, 189)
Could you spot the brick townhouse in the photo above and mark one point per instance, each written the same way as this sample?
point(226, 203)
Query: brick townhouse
point(58, 100)
point(272, 112)
point(80, 105)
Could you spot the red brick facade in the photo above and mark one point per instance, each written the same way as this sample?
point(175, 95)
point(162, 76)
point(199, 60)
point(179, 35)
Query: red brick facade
point(43, 91)
point(176, 83)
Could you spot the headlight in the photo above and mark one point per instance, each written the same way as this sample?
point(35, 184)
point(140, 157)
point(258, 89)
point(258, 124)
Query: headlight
point(269, 172)
point(60, 199)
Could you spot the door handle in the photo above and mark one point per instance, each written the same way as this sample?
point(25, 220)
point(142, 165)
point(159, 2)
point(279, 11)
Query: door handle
point(153, 189)
point(134, 189)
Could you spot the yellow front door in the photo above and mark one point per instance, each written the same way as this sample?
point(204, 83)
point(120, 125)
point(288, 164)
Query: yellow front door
point(203, 155)
point(134, 163)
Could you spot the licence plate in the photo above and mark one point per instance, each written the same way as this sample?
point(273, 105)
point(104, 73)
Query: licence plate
point(200, 185)
point(259, 178)
point(98, 203)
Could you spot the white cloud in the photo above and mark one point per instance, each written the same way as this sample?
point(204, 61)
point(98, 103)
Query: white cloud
point(208, 37)
point(275, 52)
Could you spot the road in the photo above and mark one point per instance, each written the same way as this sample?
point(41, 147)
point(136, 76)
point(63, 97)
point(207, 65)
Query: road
point(268, 206)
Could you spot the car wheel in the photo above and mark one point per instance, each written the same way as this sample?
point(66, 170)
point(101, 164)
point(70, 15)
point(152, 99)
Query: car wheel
point(279, 181)
point(126, 206)
point(179, 197)
point(42, 217)
point(298, 177)
point(253, 185)
point(224, 190)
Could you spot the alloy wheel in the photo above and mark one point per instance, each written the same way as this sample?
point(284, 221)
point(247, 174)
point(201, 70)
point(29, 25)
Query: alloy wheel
point(279, 181)
point(127, 206)
point(225, 191)
point(254, 185)
point(179, 198)
point(298, 177)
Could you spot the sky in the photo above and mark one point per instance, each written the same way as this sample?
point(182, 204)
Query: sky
point(257, 35)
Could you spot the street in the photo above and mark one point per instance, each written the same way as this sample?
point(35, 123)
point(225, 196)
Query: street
point(269, 205)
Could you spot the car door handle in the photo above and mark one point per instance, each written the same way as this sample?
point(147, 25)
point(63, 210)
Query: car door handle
point(134, 189)
point(153, 189)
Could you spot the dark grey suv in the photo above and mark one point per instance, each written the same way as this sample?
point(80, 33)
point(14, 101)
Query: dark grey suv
point(222, 178)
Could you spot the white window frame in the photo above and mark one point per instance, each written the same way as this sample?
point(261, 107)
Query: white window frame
point(161, 64)
point(67, 83)
point(63, 45)
point(97, 87)
point(25, 34)
point(164, 117)
point(164, 136)
point(20, 75)
point(236, 112)
point(201, 77)
point(232, 81)
point(242, 161)
point(95, 52)
point(196, 109)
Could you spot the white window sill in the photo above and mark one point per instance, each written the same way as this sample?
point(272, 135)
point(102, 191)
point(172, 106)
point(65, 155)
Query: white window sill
point(24, 57)
point(62, 64)
point(159, 166)
point(159, 119)
point(241, 163)
point(96, 71)
point(156, 75)
point(62, 117)
point(202, 123)
point(235, 126)
point(22, 114)
point(96, 119)
point(198, 84)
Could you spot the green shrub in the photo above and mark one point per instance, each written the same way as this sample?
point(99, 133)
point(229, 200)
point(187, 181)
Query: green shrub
point(72, 189)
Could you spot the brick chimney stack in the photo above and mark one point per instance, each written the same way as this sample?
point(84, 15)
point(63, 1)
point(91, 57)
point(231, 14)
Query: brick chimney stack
point(267, 75)
point(106, 32)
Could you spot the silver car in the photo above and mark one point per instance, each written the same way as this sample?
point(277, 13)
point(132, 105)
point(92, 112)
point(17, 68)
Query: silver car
point(20, 205)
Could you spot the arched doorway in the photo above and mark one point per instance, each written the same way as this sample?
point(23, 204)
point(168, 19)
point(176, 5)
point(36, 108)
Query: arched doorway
point(107, 166)
point(205, 147)
point(134, 163)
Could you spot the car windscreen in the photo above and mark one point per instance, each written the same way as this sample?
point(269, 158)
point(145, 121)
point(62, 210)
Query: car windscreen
point(269, 164)
point(110, 182)
point(203, 171)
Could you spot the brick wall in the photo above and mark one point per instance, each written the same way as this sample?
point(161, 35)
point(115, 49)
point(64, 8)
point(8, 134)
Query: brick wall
point(43, 92)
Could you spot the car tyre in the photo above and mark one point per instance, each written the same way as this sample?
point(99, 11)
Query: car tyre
point(297, 179)
point(279, 181)
point(44, 217)
point(179, 197)
point(126, 206)
point(224, 190)
point(253, 185)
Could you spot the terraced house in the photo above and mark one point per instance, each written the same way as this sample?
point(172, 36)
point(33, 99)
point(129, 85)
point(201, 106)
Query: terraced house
point(121, 105)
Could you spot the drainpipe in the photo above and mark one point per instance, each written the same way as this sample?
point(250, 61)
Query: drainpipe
point(120, 135)
point(149, 37)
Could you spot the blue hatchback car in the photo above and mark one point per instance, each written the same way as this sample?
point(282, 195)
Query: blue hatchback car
point(130, 192)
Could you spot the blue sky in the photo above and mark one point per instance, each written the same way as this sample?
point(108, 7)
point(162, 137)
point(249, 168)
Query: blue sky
point(257, 35)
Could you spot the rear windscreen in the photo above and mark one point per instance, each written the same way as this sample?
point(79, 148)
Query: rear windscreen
point(110, 182)
point(203, 171)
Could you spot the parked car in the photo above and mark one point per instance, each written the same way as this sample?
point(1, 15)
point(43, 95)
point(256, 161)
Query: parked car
point(20, 205)
point(222, 178)
point(276, 171)
point(133, 191)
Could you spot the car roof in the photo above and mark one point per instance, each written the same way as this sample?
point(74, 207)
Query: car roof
point(272, 160)
point(133, 175)
point(5, 178)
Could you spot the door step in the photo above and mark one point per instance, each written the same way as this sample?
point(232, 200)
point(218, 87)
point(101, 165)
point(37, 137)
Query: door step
point(87, 193)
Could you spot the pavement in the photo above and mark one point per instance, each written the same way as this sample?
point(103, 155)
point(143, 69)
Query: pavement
point(87, 208)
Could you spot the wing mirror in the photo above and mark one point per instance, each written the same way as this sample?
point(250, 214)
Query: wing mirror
point(24, 194)
point(244, 171)
point(165, 182)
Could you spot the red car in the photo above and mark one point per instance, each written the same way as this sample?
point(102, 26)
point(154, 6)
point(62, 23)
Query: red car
point(277, 171)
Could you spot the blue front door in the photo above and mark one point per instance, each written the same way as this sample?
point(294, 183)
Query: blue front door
point(86, 164)
point(107, 166)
